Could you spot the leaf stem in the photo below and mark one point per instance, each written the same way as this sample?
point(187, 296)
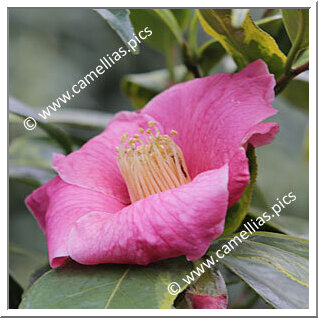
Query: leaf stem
point(284, 80)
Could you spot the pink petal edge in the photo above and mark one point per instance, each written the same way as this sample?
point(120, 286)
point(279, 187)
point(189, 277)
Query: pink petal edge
point(181, 221)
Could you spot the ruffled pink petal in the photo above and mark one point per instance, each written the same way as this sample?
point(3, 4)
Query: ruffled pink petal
point(181, 221)
point(259, 135)
point(239, 175)
point(58, 205)
point(207, 302)
point(216, 115)
point(94, 165)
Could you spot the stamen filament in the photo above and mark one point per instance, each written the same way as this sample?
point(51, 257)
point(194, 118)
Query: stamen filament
point(151, 163)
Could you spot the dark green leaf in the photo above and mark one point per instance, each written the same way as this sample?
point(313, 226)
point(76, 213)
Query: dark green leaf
point(119, 21)
point(107, 286)
point(210, 54)
point(274, 265)
point(302, 59)
point(246, 43)
point(15, 293)
point(162, 23)
point(236, 213)
point(182, 16)
point(18, 108)
point(270, 25)
point(172, 23)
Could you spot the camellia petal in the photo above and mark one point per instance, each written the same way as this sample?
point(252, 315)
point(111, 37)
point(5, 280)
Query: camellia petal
point(181, 221)
point(58, 205)
point(94, 165)
point(259, 135)
point(215, 114)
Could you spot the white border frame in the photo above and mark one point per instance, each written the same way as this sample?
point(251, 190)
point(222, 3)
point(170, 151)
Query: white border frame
point(312, 165)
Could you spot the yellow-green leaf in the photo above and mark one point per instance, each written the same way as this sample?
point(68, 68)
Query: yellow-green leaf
point(245, 43)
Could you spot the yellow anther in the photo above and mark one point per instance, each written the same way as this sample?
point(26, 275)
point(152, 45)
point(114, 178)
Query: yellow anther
point(124, 137)
point(173, 132)
point(151, 123)
point(151, 163)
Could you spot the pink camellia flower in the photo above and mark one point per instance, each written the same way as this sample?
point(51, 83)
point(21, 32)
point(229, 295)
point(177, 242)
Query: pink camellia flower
point(157, 183)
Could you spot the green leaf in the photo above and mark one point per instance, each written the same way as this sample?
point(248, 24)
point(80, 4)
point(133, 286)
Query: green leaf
point(172, 23)
point(163, 24)
point(246, 43)
point(297, 20)
point(270, 25)
point(297, 24)
point(211, 283)
point(165, 32)
point(107, 286)
point(236, 213)
point(22, 110)
point(210, 54)
point(274, 265)
point(193, 30)
point(22, 264)
point(119, 21)
point(182, 16)
point(140, 88)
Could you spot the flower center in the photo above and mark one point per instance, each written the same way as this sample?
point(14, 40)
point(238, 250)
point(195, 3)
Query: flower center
point(151, 163)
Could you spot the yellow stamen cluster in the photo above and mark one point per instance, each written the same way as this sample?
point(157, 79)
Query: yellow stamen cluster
point(151, 163)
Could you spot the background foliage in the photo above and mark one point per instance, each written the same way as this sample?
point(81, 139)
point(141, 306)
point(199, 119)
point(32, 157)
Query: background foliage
point(50, 49)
